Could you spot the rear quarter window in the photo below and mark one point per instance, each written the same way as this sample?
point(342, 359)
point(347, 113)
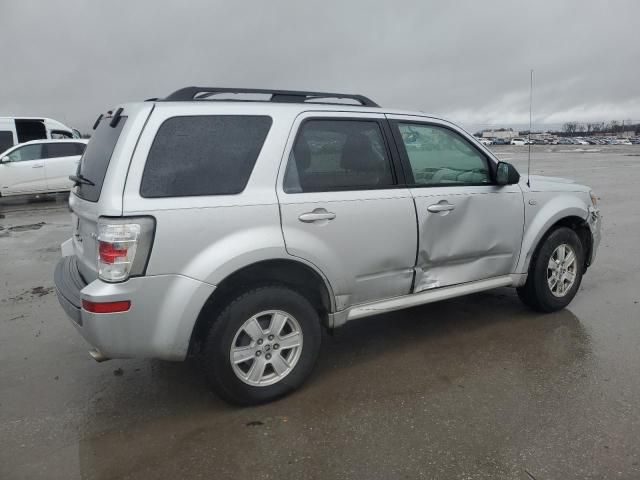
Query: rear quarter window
point(203, 155)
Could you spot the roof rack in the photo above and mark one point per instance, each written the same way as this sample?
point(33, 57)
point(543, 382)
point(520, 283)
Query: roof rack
point(279, 96)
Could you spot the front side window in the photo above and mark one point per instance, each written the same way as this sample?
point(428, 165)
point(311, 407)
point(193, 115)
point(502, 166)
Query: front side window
point(28, 152)
point(338, 155)
point(60, 134)
point(203, 155)
point(439, 156)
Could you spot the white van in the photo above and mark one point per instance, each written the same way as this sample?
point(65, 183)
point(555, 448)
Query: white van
point(14, 130)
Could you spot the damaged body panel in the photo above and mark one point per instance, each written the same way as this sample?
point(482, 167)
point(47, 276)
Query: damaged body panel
point(292, 214)
point(548, 201)
point(478, 238)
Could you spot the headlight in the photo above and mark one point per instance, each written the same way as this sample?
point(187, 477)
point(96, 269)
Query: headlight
point(594, 199)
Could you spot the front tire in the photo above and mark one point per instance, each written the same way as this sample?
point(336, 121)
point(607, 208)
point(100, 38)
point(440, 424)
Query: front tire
point(262, 346)
point(555, 273)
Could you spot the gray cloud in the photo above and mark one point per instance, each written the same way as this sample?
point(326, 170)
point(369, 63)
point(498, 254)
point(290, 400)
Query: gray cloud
point(468, 61)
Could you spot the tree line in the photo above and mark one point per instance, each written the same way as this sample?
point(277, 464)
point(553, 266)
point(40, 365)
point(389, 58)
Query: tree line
point(613, 127)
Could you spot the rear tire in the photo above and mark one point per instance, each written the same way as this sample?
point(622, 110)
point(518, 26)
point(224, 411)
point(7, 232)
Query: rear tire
point(555, 273)
point(262, 346)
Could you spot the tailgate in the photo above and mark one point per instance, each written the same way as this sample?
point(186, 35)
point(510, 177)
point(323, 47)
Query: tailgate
point(84, 222)
point(101, 178)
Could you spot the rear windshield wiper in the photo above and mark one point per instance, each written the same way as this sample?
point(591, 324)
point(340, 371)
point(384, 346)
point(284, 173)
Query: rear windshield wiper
point(78, 179)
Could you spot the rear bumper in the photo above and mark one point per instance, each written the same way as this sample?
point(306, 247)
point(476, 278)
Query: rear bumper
point(69, 283)
point(163, 312)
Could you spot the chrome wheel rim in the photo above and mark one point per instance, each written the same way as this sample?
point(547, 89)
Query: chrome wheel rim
point(266, 348)
point(562, 270)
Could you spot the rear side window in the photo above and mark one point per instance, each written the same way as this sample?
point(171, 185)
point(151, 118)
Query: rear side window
point(338, 155)
point(97, 156)
point(203, 155)
point(61, 150)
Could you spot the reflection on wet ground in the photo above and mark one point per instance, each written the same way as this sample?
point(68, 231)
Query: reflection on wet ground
point(388, 385)
point(478, 387)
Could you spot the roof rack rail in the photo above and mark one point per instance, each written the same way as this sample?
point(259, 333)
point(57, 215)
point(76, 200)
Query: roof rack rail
point(279, 96)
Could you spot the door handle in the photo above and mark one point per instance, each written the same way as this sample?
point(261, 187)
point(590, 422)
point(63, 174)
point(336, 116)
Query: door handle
point(37, 166)
point(317, 215)
point(441, 207)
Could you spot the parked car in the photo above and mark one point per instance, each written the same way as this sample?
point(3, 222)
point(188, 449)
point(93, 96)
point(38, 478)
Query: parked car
point(39, 166)
point(212, 228)
point(485, 141)
point(14, 130)
point(501, 141)
point(519, 141)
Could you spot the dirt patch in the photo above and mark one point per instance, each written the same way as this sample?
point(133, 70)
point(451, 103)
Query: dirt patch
point(41, 291)
point(25, 228)
point(6, 231)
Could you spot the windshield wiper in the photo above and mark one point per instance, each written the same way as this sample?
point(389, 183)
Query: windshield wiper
point(78, 179)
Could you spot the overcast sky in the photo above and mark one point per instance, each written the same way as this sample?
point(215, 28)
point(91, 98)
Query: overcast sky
point(467, 61)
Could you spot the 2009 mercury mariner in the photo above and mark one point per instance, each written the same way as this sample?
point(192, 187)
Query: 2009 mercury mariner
point(235, 223)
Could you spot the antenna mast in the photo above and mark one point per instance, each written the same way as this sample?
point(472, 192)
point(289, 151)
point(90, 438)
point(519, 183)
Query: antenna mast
point(530, 127)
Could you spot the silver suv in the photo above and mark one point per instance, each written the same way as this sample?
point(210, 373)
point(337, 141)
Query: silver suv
point(233, 224)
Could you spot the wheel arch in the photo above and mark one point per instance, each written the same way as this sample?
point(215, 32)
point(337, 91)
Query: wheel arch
point(572, 221)
point(295, 274)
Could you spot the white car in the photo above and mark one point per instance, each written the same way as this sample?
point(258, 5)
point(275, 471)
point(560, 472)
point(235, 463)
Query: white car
point(485, 141)
point(40, 166)
point(519, 141)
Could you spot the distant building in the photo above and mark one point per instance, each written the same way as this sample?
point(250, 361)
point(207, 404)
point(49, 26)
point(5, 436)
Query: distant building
point(627, 134)
point(504, 134)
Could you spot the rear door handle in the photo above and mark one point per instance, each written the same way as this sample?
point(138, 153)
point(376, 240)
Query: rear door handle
point(317, 215)
point(441, 207)
point(37, 166)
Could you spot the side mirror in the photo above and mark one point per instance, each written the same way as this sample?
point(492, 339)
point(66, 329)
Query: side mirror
point(4, 160)
point(507, 174)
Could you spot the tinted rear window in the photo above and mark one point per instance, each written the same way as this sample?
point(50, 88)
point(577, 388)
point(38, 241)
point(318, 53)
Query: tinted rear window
point(62, 150)
point(97, 155)
point(203, 155)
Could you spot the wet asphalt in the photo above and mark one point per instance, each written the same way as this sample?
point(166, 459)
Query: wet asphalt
point(478, 387)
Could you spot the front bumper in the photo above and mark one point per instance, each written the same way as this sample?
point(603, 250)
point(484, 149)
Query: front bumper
point(594, 220)
point(164, 309)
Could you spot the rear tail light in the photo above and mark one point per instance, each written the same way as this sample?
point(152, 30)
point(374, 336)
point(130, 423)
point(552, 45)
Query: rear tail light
point(124, 246)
